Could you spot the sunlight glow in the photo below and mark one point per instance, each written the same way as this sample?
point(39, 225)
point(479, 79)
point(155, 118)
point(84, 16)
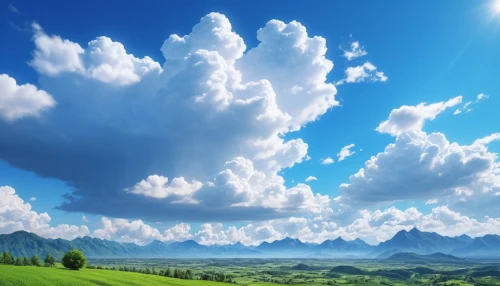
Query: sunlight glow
point(496, 6)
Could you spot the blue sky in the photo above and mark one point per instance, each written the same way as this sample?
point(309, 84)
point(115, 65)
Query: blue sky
point(103, 118)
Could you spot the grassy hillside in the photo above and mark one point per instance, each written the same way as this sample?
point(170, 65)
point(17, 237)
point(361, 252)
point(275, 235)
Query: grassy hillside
point(19, 275)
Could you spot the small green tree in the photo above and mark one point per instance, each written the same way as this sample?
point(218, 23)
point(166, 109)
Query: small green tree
point(19, 262)
point(49, 261)
point(26, 261)
point(35, 260)
point(7, 258)
point(168, 272)
point(74, 260)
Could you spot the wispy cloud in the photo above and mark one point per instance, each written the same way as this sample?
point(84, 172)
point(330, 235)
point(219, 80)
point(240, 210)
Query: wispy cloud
point(13, 9)
point(467, 107)
point(345, 152)
point(311, 178)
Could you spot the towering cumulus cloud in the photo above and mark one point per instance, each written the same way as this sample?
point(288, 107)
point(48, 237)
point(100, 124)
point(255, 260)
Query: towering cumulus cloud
point(197, 138)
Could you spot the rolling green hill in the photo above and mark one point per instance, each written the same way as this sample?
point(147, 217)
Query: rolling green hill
point(26, 275)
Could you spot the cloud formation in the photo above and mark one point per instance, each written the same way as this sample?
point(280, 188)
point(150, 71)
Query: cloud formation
point(488, 139)
point(327, 161)
point(103, 60)
point(411, 118)
point(210, 103)
point(19, 101)
point(372, 226)
point(356, 51)
point(311, 178)
point(420, 166)
point(345, 152)
point(15, 214)
point(366, 72)
point(467, 107)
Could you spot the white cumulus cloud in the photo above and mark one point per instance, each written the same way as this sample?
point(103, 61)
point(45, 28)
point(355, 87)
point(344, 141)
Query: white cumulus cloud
point(408, 118)
point(327, 161)
point(103, 60)
point(356, 51)
point(420, 166)
point(15, 214)
point(365, 72)
point(18, 101)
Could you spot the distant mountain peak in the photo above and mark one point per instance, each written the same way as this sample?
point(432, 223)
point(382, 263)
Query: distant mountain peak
point(190, 242)
point(414, 230)
point(156, 242)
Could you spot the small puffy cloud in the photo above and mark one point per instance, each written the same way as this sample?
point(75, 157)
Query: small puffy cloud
point(18, 101)
point(85, 219)
point(311, 178)
point(345, 152)
point(156, 187)
point(365, 72)
point(356, 51)
point(419, 166)
point(103, 60)
point(16, 215)
point(409, 118)
point(327, 161)
point(488, 139)
point(33, 199)
point(482, 96)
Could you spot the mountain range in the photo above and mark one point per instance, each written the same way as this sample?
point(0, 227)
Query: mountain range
point(23, 243)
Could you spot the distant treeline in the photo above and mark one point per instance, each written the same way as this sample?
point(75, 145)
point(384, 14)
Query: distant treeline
point(172, 273)
point(7, 258)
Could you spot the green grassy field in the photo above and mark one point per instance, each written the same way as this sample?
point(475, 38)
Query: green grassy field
point(30, 275)
point(253, 272)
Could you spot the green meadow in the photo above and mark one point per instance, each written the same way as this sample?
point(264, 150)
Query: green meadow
point(258, 272)
point(30, 275)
